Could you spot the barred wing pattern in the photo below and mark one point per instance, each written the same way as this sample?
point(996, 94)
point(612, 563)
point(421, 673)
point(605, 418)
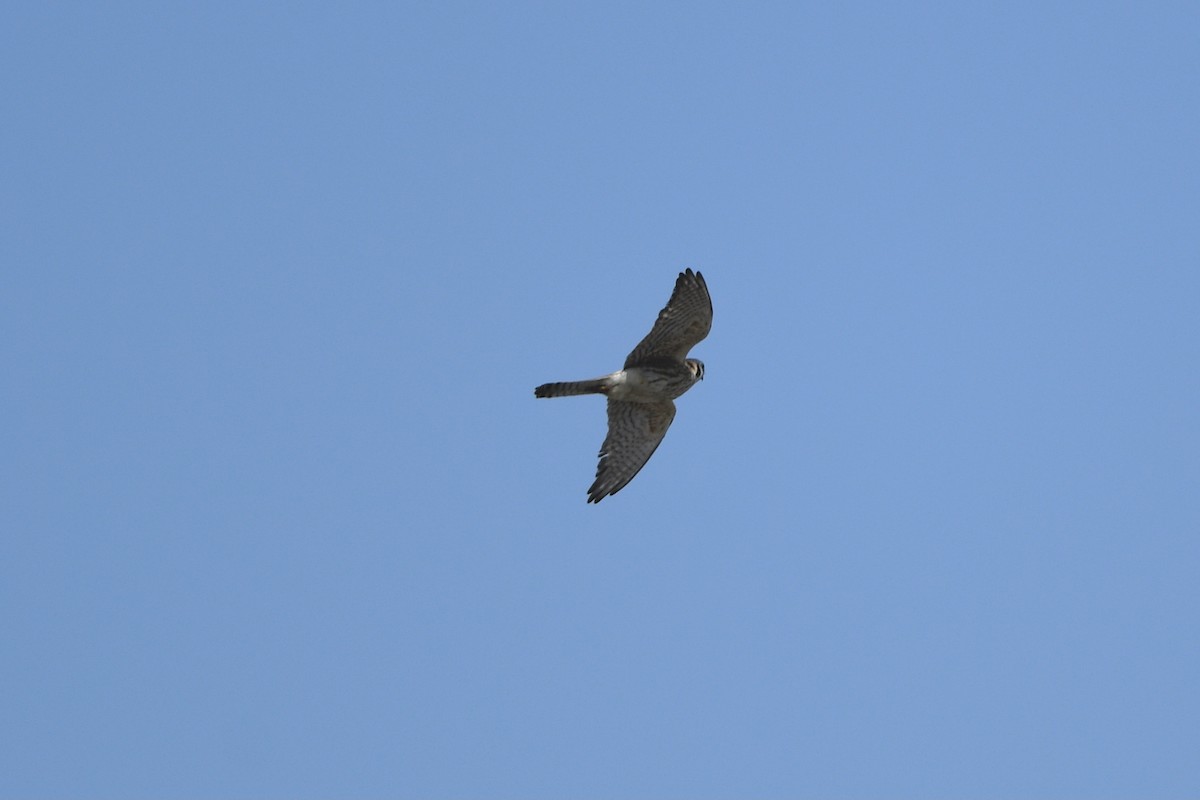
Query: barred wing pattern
point(634, 433)
point(684, 322)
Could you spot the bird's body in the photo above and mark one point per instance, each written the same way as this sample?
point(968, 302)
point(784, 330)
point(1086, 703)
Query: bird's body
point(640, 396)
point(646, 384)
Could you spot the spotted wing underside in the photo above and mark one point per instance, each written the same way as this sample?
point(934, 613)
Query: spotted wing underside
point(685, 321)
point(634, 433)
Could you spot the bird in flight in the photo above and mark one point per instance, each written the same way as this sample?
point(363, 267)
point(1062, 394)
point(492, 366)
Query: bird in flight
point(640, 396)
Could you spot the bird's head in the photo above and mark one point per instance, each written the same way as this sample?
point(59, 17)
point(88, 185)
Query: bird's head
point(697, 368)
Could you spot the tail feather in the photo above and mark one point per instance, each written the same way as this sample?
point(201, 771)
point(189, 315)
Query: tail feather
point(594, 386)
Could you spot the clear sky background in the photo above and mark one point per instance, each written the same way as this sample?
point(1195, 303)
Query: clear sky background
point(282, 517)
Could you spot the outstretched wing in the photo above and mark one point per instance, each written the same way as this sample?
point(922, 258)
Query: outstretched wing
point(685, 321)
point(634, 433)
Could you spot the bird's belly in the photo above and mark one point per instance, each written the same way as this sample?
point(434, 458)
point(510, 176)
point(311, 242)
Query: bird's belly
point(639, 385)
point(635, 393)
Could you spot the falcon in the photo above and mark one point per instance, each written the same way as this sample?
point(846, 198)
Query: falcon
point(641, 395)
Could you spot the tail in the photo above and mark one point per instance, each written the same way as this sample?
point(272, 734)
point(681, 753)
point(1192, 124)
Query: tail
point(594, 386)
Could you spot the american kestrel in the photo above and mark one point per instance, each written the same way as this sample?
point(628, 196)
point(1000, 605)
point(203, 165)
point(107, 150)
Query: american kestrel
point(640, 407)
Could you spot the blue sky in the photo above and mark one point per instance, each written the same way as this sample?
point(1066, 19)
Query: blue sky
point(282, 517)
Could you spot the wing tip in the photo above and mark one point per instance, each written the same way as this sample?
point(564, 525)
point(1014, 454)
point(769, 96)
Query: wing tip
point(693, 276)
point(596, 494)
